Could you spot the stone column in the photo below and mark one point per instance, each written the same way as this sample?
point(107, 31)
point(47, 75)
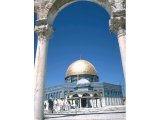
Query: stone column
point(121, 101)
point(44, 31)
point(118, 26)
point(80, 103)
point(100, 99)
point(92, 102)
point(106, 100)
point(96, 102)
point(118, 101)
point(111, 101)
point(122, 45)
point(87, 102)
point(115, 101)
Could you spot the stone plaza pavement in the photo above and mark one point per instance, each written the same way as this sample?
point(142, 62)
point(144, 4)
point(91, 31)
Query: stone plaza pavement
point(89, 116)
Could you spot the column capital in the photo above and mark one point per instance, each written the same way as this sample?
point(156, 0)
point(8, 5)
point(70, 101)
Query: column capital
point(43, 29)
point(117, 5)
point(117, 24)
point(117, 21)
point(42, 7)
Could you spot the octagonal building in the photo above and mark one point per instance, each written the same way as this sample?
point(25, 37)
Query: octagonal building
point(83, 88)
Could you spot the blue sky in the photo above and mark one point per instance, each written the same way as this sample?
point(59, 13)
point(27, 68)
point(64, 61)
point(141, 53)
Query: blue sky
point(82, 29)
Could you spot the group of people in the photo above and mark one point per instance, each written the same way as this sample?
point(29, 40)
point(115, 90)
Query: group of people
point(60, 105)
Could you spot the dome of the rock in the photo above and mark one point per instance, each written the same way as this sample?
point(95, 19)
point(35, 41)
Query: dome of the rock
point(81, 67)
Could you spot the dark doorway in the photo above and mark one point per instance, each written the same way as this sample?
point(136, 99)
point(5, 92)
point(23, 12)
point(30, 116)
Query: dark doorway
point(50, 105)
point(83, 101)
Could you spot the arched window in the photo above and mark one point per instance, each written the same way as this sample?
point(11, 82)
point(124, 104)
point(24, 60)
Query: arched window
point(115, 93)
point(111, 93)
point(51, 95)
point(107, 93)
point(95, 95)
point(57, 95)
point(86, 94)
point(48, 96)
point(75, 95)
point(54, 95)
point(65, 92)
point(118, 93)
point(60, 94)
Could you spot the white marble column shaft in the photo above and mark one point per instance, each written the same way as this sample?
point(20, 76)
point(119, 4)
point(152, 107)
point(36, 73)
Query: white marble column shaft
point(92, 102)
point(43, 31)
point(122, 45)
point(107, 102)
point(118, 25)
point(80, 103)
point(40, 73)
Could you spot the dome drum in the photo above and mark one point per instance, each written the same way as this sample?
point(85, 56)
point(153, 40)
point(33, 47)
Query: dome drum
point(83, 82)
point(75, 78)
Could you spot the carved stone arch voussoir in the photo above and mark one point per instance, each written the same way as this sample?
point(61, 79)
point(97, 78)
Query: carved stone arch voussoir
point(53, 8)
point(42, 8)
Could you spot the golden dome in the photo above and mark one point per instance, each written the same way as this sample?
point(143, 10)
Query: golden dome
point(81, 67)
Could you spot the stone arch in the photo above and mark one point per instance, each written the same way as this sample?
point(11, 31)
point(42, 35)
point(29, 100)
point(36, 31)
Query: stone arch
point(95, 95)
point(59, 5)
point(75, 95)
point(46, 12)
point(85, 94)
